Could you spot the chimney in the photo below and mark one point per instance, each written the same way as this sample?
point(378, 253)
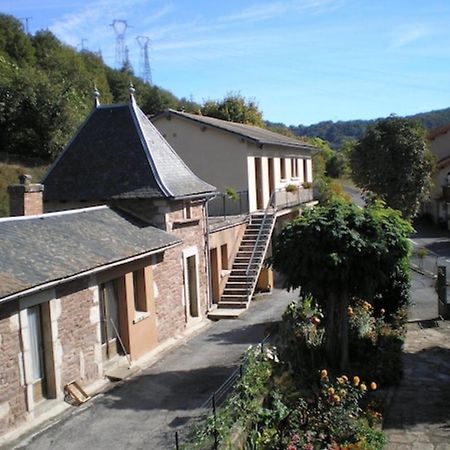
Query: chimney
point(25, 198)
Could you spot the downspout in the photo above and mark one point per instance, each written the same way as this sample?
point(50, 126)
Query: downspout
point(208, 262)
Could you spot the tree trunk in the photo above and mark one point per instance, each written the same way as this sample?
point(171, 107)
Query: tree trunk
point(336, 331)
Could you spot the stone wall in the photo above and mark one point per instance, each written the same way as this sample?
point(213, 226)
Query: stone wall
point(78, 332)
point(169, 287)
point(12, 389)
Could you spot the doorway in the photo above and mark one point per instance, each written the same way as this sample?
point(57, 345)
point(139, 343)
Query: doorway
point(259, 184)
point(271, 177)
point(215, 278)
point(191, 279)
point(109, 319)
point(37, 353)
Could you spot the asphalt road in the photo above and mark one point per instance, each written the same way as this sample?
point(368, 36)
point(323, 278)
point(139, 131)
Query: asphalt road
point(144, 412)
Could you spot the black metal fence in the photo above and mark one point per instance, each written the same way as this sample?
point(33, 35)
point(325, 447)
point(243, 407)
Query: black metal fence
point(211, 406)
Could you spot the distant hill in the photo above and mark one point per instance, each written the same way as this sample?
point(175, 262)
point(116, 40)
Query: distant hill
point(336, 132)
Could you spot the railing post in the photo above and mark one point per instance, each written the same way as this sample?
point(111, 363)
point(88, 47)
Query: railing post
point(177, 445)
point(216, 440)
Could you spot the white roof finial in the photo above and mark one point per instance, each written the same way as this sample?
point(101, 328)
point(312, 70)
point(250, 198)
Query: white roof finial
point(132, 90)
point(96, 95)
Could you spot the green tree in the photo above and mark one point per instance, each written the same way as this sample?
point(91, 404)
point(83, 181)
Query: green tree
point(320, 157)
point(337, 252)
point(392, 162)
point(234, 108)
point(335, 166)
point(35, 115)
point(14, 42)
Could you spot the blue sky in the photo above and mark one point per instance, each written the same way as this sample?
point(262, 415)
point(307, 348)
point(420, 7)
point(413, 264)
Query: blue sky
point(302, 60)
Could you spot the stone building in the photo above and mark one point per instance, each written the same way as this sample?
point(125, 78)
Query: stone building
point(115, 267)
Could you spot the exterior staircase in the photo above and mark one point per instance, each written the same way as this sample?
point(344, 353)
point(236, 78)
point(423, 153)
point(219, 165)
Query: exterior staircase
point(246, 267)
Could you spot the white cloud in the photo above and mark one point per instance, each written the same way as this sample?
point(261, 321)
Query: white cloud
point(260, 12)
point(408, 34)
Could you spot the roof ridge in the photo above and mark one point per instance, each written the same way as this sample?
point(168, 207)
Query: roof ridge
point(53, 214)
point(133, 106)
point(227, 125)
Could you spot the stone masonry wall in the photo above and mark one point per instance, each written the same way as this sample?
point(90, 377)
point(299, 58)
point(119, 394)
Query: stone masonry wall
point(168, 274)
point(12, 389)
point(192, 234)
point(78, 332)
point(168, 292)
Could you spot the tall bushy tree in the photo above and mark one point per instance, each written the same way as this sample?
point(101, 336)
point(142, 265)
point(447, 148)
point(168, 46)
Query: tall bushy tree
point(337, 252)
point(234, 108)
point(393, 163)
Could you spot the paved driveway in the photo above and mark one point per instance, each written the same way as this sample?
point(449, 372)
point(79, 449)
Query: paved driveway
point(144, 412)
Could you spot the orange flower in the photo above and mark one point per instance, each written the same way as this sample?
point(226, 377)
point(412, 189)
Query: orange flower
point(363, 387)
point(373, 386)
point(323, 374)
point(350, 311)
point(356, 381)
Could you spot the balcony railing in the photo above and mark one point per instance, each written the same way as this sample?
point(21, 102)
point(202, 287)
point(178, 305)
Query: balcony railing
point(289, 198)
point(223, 205)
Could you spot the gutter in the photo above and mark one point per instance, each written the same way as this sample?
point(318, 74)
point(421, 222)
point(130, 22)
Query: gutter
point(76, 276)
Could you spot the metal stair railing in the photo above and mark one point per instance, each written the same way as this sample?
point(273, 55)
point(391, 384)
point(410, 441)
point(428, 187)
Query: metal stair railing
point(269, 208)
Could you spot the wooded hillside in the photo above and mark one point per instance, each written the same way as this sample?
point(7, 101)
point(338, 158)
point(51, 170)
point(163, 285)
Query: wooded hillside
point(46, 90)
point(335, 133)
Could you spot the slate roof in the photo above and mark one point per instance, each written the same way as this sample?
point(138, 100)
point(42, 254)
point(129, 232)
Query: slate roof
point(257, 135)
point(40, 249)
point(118, 153)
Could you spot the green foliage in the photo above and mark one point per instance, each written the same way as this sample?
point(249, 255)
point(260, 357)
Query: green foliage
point(336, 166)
point(45, 90)
point(291, 188)
point(242, 406)
point(326, 414)
point(14, 42)
point(376, 345)
point(393, 162)
point(341, 246)
point(300, 337)
point(331, 190)
point(231, 193)
point(234, 108)
point(339, 251)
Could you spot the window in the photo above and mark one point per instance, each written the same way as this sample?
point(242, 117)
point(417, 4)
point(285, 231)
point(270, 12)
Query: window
point(294, 171)
point(36, 342)
point(283, 168)
point(305, 170)
point(186, 210)
point(140, 297)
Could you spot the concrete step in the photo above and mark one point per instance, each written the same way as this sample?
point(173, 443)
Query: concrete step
point(236, 284)
point(231, 305)
point(225, 313)
point(233, 298)
point(234, 292)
